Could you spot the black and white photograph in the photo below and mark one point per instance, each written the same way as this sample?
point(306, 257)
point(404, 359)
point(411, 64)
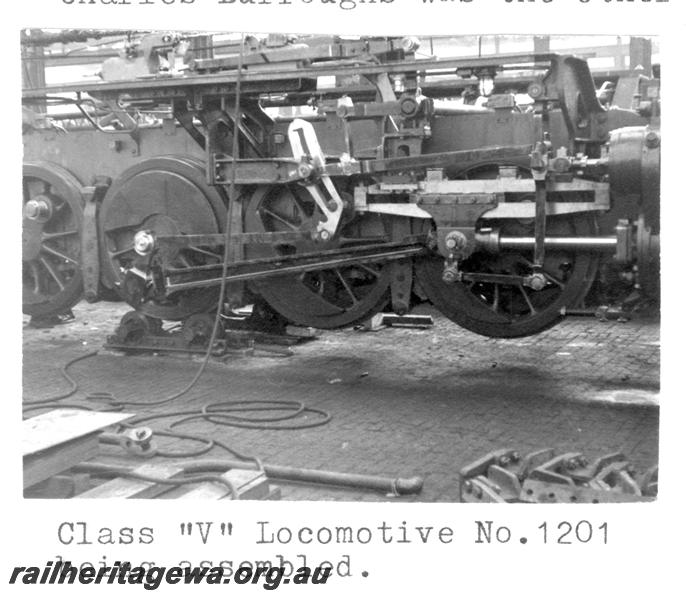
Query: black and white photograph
point(318, 267)
point(395, 293)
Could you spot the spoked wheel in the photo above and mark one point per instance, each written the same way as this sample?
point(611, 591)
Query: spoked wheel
point(51, 240)
point(327, 299)
point(500, 310)
point(167, 195)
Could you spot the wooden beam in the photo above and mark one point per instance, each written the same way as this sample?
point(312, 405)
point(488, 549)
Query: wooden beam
point(60, 439)
point(122, 487)
point(250, 485)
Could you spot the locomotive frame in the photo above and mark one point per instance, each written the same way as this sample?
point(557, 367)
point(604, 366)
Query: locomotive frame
point(381, 190)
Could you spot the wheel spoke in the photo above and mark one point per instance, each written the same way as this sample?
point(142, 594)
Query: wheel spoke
point(556, 281)
point(369, 269)
point(302, 215)
point(184, 261)
point(118, 253)
point(48, 267)
point(206, 252)
point(527, 299)
point(36, 277)
point(280, 218)
point(346, 285)
point(58, 234)
point(57, 254)
point(496, 298)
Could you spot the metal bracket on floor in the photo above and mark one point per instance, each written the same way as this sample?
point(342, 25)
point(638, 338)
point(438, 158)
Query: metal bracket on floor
point(549, 476)
point(383, 320)
point(139, 333)
point(137, 441)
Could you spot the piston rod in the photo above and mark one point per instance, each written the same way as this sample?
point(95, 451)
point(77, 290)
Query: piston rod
point(576, 243)
point(495, 243)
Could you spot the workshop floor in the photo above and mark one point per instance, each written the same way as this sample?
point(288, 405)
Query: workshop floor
point(404, 402)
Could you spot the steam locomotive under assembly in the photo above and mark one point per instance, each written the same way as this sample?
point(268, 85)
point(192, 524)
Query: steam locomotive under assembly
point(331, 178)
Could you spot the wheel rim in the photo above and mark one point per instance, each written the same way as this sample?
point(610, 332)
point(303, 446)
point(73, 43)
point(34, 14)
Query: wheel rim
point(167, 195)
point(326, 299)
point(51, 240)
point(499, 310)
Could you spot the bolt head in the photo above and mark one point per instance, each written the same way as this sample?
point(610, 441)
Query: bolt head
point(652, 139)
point(305, 170)
point(324, 236)
point(449, 276)
point(537, 282)
point(456, 240)
point(536, 90)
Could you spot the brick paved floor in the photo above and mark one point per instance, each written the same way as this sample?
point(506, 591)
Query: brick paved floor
point(404, 402)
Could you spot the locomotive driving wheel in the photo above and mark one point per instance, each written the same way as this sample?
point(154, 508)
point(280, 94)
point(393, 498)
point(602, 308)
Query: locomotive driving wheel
point(329, 298)
point(51, 240)
point(509, 310)
point(165, 195)
point(514, 310)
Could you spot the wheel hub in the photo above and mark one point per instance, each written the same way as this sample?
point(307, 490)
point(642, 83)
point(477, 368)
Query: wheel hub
point(143, 242)
point(38, 209)
point(536, 281)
